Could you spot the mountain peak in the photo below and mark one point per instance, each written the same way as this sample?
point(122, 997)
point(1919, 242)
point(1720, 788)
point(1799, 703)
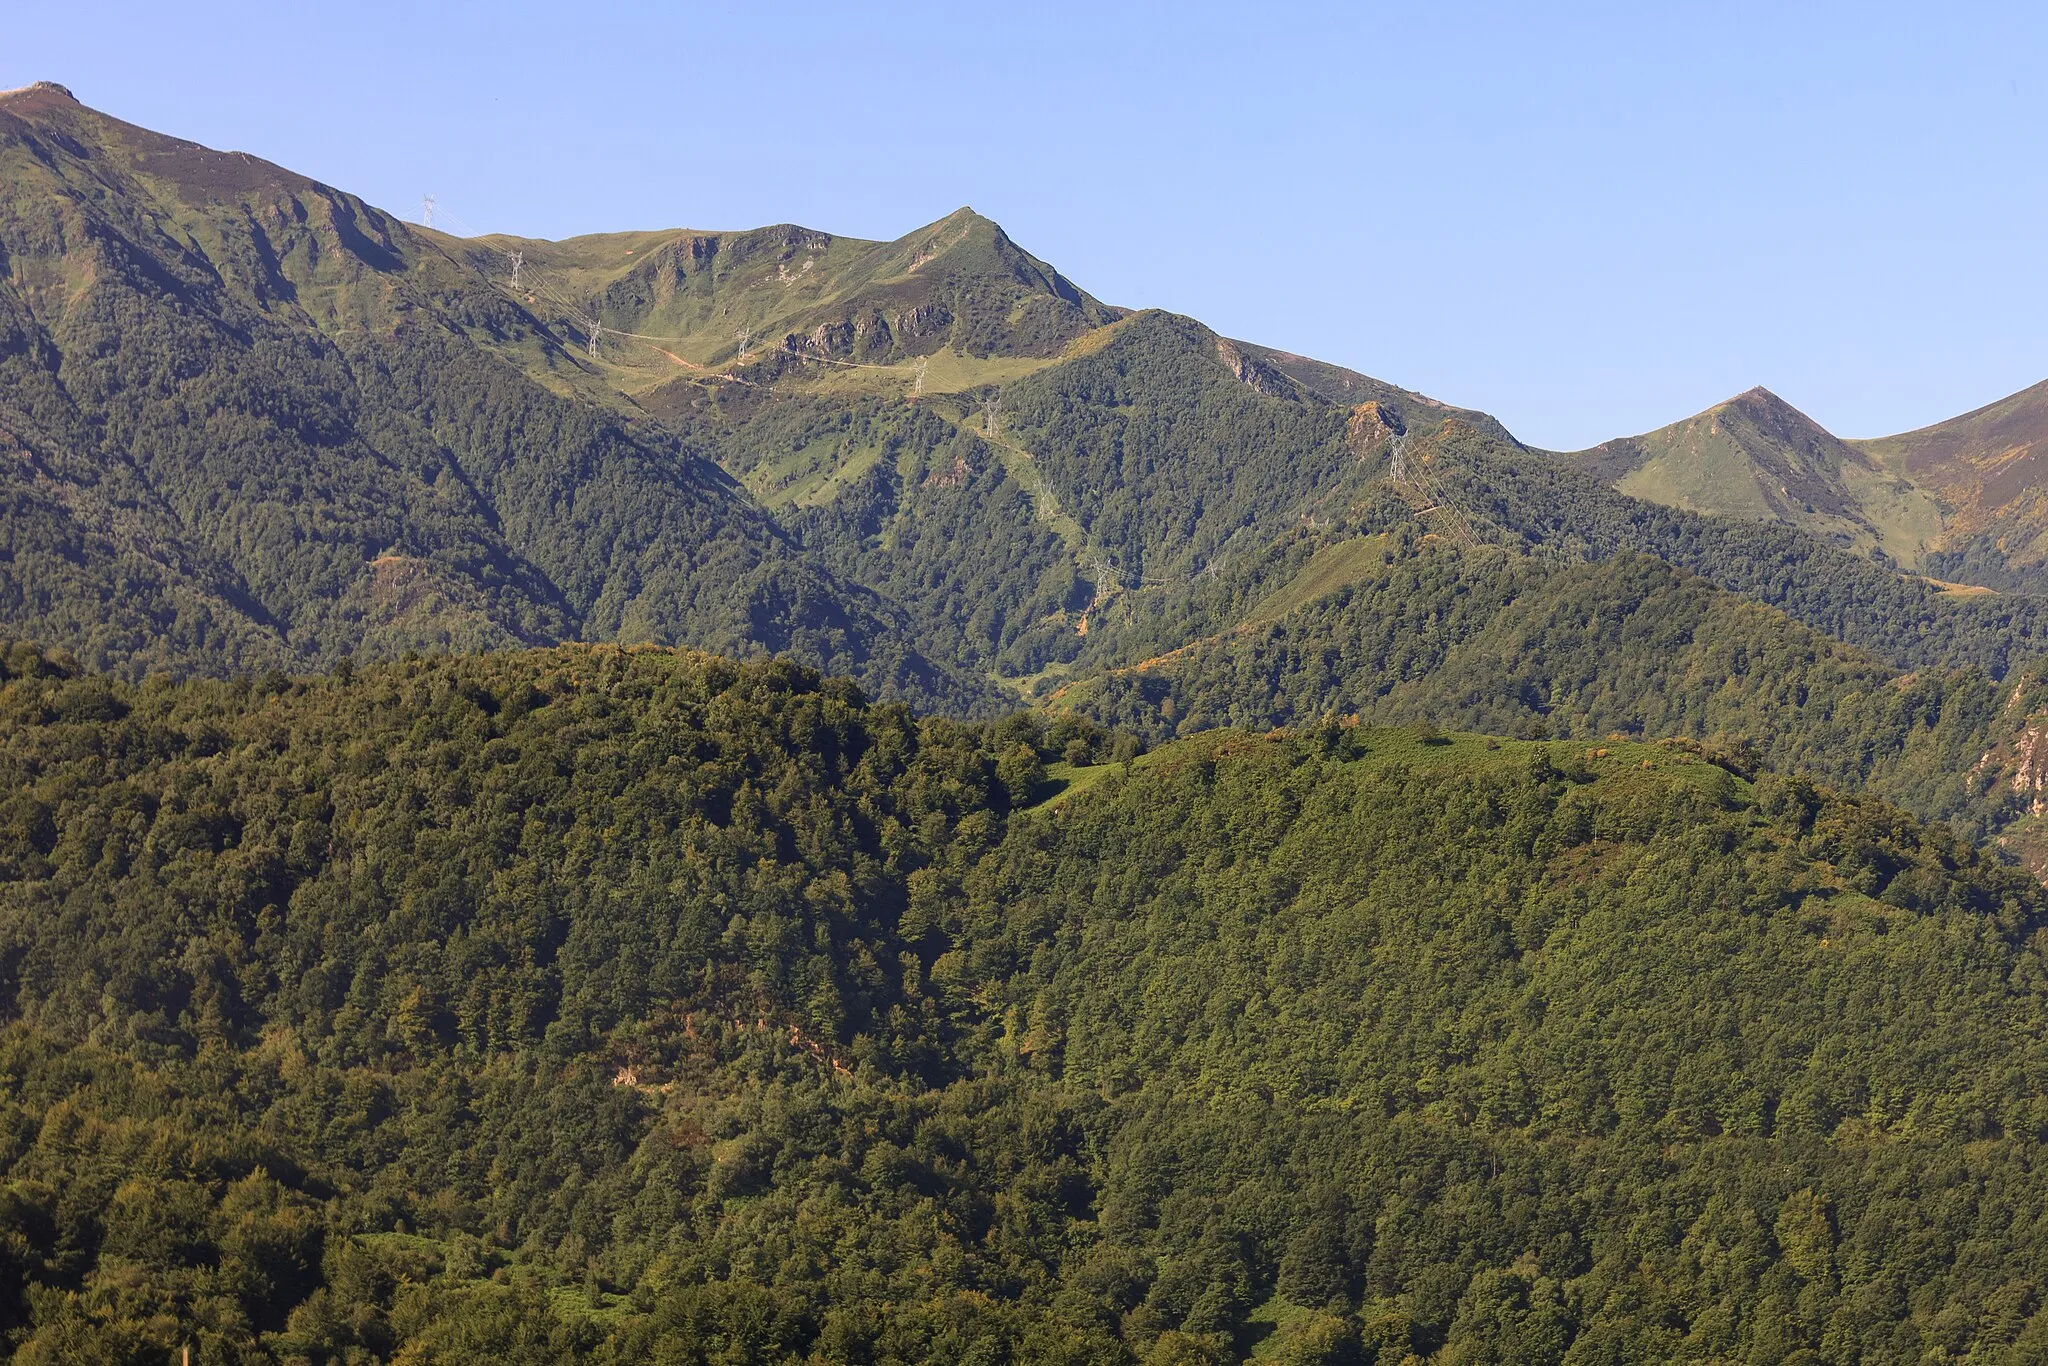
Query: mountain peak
point(1779, 419)
point(39, 97)
point(1755, 456)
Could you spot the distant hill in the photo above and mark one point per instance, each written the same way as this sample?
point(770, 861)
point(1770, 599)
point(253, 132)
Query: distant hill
point(1962, 501)
point(1990, 470)
point(1758, 457)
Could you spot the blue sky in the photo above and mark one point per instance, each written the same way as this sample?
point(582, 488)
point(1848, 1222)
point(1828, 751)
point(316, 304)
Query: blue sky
point(1586, 219)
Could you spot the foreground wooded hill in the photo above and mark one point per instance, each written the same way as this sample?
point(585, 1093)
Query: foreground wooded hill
point(625, 1006)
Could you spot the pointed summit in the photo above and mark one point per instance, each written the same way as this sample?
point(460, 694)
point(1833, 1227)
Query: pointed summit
point(1755, 456)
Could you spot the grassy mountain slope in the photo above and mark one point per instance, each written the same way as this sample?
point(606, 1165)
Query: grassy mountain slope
point(944, 441)
point(1990, 467)
point(1021, 522)
point(249, 419)
point(1961, 500)
point(323, 431)
point(598, 1005)
point(792, 301)
point(1471, 487)
point(1758, 457)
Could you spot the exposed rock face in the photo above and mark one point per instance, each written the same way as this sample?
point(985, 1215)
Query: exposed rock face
point(832, 339)
point(922, 321)
point(2015, 761)
point(1371, 423)
point(871, 335)
point(795, 239)
point(952, 476)
point(2030, 766)
point(1250, 370)
point(866, 337)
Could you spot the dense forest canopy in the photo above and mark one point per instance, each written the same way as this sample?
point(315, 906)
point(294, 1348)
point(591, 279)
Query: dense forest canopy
point(593, 1004)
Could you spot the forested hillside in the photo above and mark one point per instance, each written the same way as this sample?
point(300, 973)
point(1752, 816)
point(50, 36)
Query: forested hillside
point(1513, 497)
point(247, 419)
point(628, 1005)
point(1420, 630)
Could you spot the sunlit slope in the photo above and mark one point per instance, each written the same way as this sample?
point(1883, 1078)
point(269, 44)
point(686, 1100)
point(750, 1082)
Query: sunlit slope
point(1030, 521)
point(1758, 457)
point(788, 302)
point(1965, 500)
point(593, 1005)
point(1990, 467)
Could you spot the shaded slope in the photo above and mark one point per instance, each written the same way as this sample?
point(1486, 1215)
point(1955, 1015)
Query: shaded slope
point(1174, 447)
point(1487, 641)
point(1554, 506)
point(318, 433)
point(1029, 523)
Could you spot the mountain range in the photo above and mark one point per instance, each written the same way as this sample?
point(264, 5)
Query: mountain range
point(754, 796)
point(253, 422)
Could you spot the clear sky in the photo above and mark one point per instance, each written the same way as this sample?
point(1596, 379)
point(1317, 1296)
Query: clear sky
point(1587, 219)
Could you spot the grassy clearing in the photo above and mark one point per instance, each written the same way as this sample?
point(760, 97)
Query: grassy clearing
point(1330, 569)
point(942, 372)
point(1957, 590)
point(1265, 1325)
point(1065, 780)
point(812, 475)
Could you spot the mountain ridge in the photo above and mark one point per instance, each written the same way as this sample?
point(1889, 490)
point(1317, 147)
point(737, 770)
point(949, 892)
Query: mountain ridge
point(1990, 467)
point(854, 462)
point(315, 432)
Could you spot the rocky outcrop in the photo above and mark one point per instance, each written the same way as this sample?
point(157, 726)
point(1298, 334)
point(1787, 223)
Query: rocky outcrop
point(1251, 370)
point(2030, 766)
point(925, 320)
point(1371, 425)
